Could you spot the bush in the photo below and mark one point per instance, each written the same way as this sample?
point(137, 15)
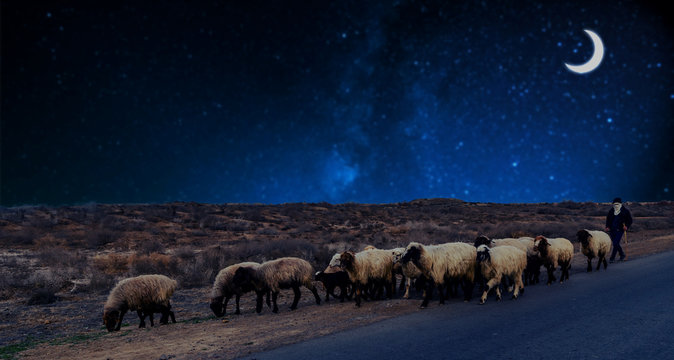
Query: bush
point(42, 296)
point(111, 264)
point(153, 264)
point(99, 238)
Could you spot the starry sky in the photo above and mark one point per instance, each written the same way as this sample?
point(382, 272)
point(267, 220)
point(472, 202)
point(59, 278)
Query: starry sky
point(309, 101)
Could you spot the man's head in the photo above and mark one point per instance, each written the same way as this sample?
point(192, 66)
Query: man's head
point(617, 204)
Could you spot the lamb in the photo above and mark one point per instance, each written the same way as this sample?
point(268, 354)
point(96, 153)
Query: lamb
point(554, 252)
point(443, 263)
point(593, 244)
point(224, 288)
point(369, 266)
point(333, 277)
point(498, 262)
point(533, 270)
point(409, 271)
point(146, 294)
point(274, 275)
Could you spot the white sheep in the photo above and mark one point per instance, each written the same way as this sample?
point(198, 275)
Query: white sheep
point(533, 271)
point(554, 252)
point(369, 266)
point(409, 271)
point(224, 288)
point(274, 275)
point(498, 262)
point(443, 263)
point(146, 294)
point(594, 243)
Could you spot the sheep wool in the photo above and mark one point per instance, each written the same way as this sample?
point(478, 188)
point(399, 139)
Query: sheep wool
point(144, 293)
point(594, 244)
point(555, 252)
point(498, 262)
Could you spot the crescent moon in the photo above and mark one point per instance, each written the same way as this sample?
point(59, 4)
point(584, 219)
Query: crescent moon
point(594, 62)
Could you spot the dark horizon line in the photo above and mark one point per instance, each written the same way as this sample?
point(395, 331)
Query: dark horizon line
point(91, 203)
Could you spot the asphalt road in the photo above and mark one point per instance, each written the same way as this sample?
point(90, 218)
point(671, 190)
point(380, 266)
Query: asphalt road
point(626, 312)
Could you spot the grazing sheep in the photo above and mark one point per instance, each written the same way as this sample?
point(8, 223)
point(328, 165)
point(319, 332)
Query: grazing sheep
point(369, 267)
point(498, 262)
point(594, 243)
point(224, 288)
point(533, 271)
point(409, 271)
point(274, 275)
point(146, 294)
point(333, 277)
point(555, 252)
point(443, 263)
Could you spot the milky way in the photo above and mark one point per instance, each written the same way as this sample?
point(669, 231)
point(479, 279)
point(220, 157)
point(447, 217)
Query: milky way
point(296, 101)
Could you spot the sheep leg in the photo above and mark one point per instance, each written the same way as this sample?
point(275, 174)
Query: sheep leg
point(274, 295)
point(408, 283)
point(315, 292)
point(589, 264)
point(328, 290)
point(121, 316)
point(151, 316)
point(602, 257)
point(605, 263)
point(237, 299)
point(141, 316)
point(258, 302)
point(429, 293)
point(224, 307)
point(358, 293)
point(296, 298)
point(551, 276)
point(440, 292)
point(488, 286)
point(519, 285)
point(403, 282)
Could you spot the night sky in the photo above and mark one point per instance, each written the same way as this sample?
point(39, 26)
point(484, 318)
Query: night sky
point(309, 101)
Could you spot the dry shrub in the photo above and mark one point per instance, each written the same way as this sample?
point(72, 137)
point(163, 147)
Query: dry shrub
point(99, 282)
point(153, 264)
point(146, 247)
point(99, 238)
point(111, 264)
point(60, 257)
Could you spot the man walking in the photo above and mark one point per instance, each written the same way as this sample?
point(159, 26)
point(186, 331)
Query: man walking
point(618, 221)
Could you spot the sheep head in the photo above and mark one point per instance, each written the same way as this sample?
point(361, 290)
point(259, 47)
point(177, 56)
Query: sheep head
point(583, 237)
point(110, 318)
point(319, 276)
point(347, 259)
point(541, 245)
point(413, 254)
point(217, 306)
point(482, 240)
point(483, 253)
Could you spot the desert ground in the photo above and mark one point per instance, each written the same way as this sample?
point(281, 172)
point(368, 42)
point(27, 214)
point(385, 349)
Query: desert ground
point(57, 265)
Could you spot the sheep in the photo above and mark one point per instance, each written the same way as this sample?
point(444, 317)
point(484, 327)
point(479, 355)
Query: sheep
point(533, 270)
point(553, 252)
point(443, 263)
point(594, 243)
point(409, 271)
point(369, 247)
point(146, 294)
point(332, 277)
point(483, 240)
point(369, 266)
point(498, 262)
point(223, 288)
point(274, 275)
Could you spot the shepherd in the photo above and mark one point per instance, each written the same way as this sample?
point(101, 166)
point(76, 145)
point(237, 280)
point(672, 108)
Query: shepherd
point(618, 220)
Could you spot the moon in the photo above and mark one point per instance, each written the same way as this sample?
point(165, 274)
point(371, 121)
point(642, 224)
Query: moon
point(594, 62)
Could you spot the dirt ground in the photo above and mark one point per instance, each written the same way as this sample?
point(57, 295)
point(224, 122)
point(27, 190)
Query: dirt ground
point(198, 335)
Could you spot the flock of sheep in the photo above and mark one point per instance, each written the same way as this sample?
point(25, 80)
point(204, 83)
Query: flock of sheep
point(371, 272)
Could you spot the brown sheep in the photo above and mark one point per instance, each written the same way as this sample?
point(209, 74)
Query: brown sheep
point(146, 294)
point(274, 275)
